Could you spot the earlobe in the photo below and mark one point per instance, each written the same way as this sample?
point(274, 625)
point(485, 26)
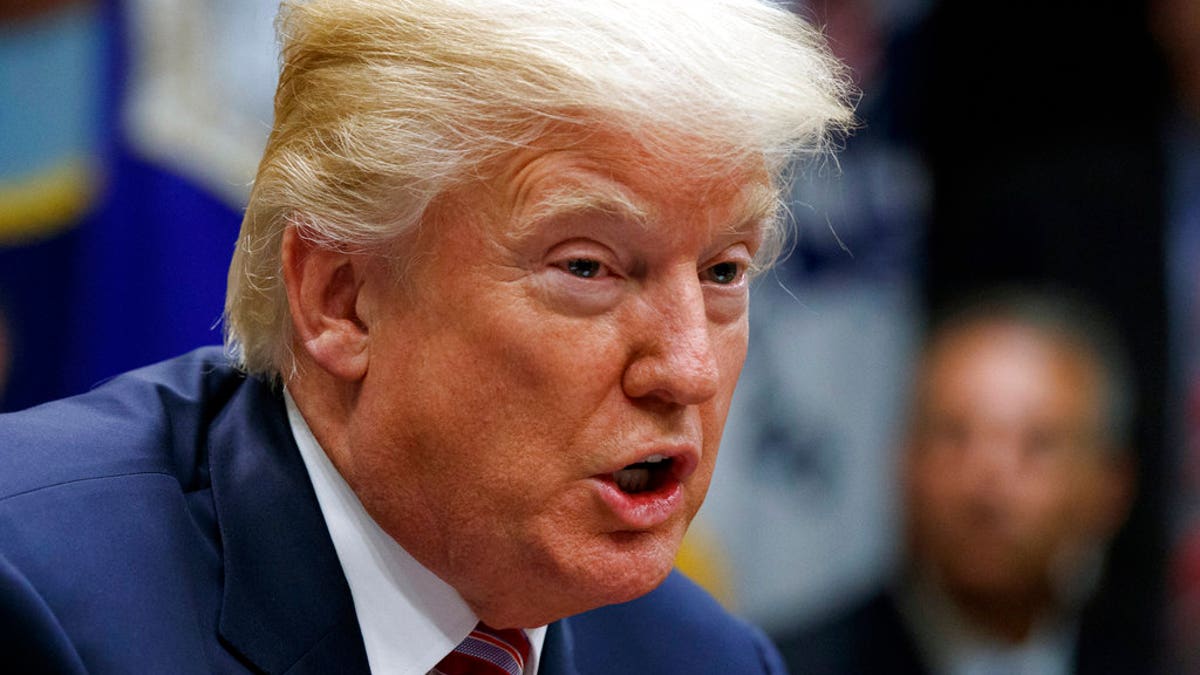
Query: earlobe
point(323, 286)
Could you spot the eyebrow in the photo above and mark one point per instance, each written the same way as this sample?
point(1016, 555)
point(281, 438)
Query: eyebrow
point(574, 199)
point(759, 209)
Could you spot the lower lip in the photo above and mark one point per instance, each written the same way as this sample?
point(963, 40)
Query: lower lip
point(642, 510)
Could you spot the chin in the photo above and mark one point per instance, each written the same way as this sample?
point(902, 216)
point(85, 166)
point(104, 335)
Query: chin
point(611, 569)
point(573, 593)
point(567, 575)
point(634, 564)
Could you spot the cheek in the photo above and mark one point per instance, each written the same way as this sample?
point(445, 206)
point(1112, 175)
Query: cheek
point(515, 397)
point(730, 347)
point(1063, 508)
point(730, 343)
point(934, 484)
point(735, 337)
point(1050, 489)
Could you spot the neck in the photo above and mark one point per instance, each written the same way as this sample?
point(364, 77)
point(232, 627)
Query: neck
point(326, 403)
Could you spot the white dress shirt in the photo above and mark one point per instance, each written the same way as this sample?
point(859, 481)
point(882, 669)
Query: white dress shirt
point(410, 619)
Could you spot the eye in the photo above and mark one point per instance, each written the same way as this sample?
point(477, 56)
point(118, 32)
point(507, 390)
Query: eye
point(724, 273)
point(584, 268)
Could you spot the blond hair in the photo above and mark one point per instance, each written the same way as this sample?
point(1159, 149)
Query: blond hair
point(382, 105)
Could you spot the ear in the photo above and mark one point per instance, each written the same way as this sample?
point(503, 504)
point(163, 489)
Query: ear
point(323, 287)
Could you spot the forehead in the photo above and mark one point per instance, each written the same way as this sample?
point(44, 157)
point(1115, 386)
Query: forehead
point(613, 174)
point(1009, 371)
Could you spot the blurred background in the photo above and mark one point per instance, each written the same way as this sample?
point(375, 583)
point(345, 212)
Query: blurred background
point(1053, 144)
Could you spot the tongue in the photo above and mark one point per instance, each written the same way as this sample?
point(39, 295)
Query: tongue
point(633, 478)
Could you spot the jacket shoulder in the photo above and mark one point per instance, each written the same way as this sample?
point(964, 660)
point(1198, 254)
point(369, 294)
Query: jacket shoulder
point(151, 420)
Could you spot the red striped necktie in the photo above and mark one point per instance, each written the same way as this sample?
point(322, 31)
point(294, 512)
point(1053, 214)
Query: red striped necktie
point(487, 651)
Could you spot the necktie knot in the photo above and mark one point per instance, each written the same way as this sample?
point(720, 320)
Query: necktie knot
point(487, 651)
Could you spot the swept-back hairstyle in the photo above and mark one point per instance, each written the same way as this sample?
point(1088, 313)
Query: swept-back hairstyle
point(382, 105)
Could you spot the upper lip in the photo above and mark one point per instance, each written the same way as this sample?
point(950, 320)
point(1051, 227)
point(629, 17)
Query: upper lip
point(685, 458)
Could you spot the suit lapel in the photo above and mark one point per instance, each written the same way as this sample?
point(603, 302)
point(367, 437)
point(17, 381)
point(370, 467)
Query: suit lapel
point(286, 604)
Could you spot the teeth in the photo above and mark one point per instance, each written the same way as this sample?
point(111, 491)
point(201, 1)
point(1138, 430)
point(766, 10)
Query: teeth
point(654, 459)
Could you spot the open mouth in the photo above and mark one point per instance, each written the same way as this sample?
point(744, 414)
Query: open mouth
point(644, 476)
point(649, 492)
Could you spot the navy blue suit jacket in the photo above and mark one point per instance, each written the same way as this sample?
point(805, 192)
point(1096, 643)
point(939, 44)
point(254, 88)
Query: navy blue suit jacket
point(164, 522)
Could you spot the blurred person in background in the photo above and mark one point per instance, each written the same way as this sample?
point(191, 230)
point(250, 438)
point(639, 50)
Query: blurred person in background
point(1017, 474)
point(1067, 193)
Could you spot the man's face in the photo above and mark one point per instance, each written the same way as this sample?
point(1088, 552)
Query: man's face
point(547, 386)
point(1007, 482)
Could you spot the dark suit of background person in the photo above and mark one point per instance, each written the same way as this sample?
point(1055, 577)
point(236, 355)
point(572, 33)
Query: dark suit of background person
point(873, 638)
point(230, 540)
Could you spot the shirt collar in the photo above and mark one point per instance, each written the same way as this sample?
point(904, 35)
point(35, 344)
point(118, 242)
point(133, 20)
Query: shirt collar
point(409, 618)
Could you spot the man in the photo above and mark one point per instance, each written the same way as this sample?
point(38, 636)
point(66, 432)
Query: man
point(488, 307)
point(1017, 477)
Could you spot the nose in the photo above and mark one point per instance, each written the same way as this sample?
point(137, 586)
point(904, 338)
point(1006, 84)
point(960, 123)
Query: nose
point(676, 361)
point(991, 464)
